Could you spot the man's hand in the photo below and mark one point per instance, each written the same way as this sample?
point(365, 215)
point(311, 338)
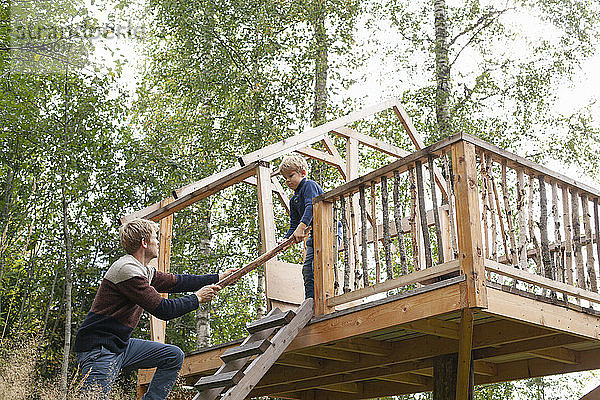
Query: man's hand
point(207, 293)
point(227, 272)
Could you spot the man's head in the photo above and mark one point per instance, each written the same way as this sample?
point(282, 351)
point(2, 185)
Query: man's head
point(293, 168)
point(139, 233)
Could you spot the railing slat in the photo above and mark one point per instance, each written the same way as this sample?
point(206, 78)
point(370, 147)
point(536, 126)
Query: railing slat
point(336, 253)
point(558, 253)
point(363, 233)
point(346, 245)
point(589, 248)
point(597, 222)
point(537, 258)
point(499, 210)
point(375, 234)
point(491, 208)
point(386, 228)
point(423, 214)
point(450, 191)
point(522, 219)
point(436, 215)
point(577, 239)
point(567, 227)
point(545, 245)
point(509, 217)
point(356, 263)
point(398, 220)
point(413, 220)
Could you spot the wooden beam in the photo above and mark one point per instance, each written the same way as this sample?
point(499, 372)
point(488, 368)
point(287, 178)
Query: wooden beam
point(592, 395)
point(560, 354)
point(156, 212)
point(327, 158)
point(526, 346)
point(299, 361)
point(371, 142)
point(266, 218)
point(364, 346)
point(556, 317)
point(404, 280)
point(408, 378)
point(277, 189)
point(329, 354)
point(485, 368)
point(464, 385)
point(524, 276)
point(323, 251)
point(468, 221)
point(342, 387)
point(436, 327)
point(313, 135)
point(331, 149)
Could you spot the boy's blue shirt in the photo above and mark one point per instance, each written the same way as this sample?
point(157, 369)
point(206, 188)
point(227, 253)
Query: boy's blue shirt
point(301, 208)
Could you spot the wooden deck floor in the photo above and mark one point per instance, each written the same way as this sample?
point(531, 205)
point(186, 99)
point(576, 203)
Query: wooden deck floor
point(387, 346)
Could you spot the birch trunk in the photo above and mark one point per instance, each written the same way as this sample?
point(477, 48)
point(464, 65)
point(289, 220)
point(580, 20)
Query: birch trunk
point(202, 312)
point(442, 69)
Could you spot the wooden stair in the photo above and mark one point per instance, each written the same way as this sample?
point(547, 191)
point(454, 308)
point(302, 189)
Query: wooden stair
point(268, 339)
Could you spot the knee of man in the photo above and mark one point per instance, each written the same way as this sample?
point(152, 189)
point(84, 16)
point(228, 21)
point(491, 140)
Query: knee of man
point(178, 355)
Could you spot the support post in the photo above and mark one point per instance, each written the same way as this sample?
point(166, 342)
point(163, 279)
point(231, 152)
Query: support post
point(465, 363)
point(470, 245)
point(266, 218)
point(158, 326)
point(324, 249)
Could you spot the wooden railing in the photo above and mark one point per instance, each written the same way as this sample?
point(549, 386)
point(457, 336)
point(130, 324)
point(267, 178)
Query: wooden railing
point(404, 226)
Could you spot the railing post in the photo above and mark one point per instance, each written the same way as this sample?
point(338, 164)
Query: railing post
point(468, 221)
point(324, 251)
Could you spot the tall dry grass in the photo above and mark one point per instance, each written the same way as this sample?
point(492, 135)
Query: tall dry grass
point(19, 379)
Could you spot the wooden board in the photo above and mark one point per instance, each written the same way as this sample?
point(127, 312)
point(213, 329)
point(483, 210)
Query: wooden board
point(285, 283)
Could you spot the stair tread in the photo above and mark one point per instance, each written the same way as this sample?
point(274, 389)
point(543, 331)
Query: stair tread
point(219, 380)
point(246, 350)
point(271, 321)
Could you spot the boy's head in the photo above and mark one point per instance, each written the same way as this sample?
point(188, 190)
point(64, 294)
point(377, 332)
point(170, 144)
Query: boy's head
point(132, 232)
point(293, 168)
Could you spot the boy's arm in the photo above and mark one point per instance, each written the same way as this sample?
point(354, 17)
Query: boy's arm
point(294, 221)
point(312, 190)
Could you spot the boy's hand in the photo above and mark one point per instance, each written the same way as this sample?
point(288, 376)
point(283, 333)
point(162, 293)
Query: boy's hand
point(300, 232)
point(207, 293)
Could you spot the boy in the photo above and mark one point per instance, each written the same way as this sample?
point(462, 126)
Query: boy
point(294, 169)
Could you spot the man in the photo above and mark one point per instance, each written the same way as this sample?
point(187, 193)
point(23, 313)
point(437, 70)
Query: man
point(103, 344)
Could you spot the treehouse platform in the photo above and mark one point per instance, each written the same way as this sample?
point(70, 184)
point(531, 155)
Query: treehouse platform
point(482, 270)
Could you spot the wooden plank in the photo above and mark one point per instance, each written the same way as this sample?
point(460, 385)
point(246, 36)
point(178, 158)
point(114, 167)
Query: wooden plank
point(158, 327)
point(526, 346)
point(225, 379)
point(346, 244)
point(247, 350)
point(560, 354)
point(364, 346)
point(352, 165)
point(329, 354)
point(343, 387)
point(542, 314)
point(592, 395)
point(435, 327)
point(266, 219)
point(323, 262)
point(298, 361)
point(403, 280)
point(272, 321)
point(313, 135)
point(577, 240)
point(156, 212)
point(324, 157)
point(463, 378)
point(524, 276)
point(371, 142)
point(469, 223)
point(408, 378)
point(285, 282)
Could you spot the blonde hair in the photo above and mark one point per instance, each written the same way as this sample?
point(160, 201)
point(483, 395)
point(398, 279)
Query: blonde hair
point(293, 163)
point(132, 232)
